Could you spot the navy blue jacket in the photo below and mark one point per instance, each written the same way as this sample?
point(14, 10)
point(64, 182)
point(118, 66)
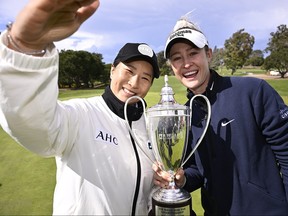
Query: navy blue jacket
point(242, 163)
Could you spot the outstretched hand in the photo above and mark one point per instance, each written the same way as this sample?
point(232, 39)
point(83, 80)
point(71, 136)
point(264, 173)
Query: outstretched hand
point(42, 22)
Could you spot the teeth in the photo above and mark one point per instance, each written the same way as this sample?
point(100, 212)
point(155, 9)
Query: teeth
point(128, 92)
point(190, 73)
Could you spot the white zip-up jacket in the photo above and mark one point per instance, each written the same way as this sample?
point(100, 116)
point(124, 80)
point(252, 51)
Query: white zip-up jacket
point(99, 169)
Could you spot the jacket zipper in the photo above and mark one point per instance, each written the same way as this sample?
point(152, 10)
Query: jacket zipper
point(138, 179)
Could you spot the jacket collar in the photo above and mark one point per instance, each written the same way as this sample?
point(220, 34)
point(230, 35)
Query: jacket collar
point(134, 111)
point(211, 87)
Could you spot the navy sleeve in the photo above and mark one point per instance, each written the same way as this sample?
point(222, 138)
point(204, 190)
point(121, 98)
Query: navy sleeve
point(194, 179)
point(272, 117)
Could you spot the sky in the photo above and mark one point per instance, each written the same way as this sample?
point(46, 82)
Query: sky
point(117, 22)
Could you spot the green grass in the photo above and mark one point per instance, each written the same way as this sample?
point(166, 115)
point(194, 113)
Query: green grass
point(240, 72)
point(65, 94)
point(281, 85)
point(27, 181)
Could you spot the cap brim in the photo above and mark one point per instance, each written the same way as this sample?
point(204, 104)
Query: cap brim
point(138, 51)
point(154, 64)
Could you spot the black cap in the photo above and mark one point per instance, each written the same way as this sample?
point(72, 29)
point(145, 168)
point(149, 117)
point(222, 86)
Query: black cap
point(138, 51)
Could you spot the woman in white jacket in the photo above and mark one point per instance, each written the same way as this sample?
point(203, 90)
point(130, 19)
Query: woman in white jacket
point(100, 169)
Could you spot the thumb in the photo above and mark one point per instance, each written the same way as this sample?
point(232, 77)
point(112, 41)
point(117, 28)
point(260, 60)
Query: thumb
point(87, 10)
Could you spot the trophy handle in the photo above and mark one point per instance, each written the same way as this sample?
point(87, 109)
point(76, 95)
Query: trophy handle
point(130, 129)
point(206, 126)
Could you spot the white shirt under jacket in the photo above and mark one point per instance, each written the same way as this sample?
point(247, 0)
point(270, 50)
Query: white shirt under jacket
point(96, 163)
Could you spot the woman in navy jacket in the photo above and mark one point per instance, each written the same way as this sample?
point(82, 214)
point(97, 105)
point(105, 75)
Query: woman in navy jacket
point(242, 163)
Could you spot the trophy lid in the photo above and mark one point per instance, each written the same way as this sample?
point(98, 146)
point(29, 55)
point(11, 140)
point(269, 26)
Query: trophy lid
point(167, 93)
point(167, 100)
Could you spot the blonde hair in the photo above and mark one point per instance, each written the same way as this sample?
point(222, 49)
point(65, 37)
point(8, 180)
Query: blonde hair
point(185, 22)
point(187, 25)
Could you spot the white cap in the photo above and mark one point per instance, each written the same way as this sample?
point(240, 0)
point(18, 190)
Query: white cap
point(194, 36)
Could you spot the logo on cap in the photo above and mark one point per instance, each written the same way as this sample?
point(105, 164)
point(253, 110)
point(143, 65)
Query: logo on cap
point(179, 33)
point(145, 50)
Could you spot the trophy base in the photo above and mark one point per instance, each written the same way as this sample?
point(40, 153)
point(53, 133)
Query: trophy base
point(172, 202)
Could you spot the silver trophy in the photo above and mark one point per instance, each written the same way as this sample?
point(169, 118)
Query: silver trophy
point(168, 124)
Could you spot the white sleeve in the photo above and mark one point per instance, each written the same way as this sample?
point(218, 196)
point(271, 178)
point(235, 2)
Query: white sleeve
point(29, 111)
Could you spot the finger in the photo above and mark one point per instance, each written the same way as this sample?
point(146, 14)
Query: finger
point(165, 175)
point(88, 9)
point(158, 179)
point(180, 178)
point(156, 176)
point(155, 167)
point(179, 174)
point(161, 183)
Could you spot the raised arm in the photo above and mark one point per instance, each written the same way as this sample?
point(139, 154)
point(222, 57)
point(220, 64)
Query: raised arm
point(41, 22)
point(29, 110)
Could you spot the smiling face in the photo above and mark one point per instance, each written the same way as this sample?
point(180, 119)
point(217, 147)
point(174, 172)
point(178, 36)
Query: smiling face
point(191, 65)
point(131, 79)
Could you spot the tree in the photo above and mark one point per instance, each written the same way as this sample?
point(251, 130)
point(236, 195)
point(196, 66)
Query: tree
point(237, 50)
point(80, 68)
point(163, 65)
point(278, 48)
point(66, 68)
point(217, 60)
point(106, 75)
point(100, 73)
point(256, 58)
